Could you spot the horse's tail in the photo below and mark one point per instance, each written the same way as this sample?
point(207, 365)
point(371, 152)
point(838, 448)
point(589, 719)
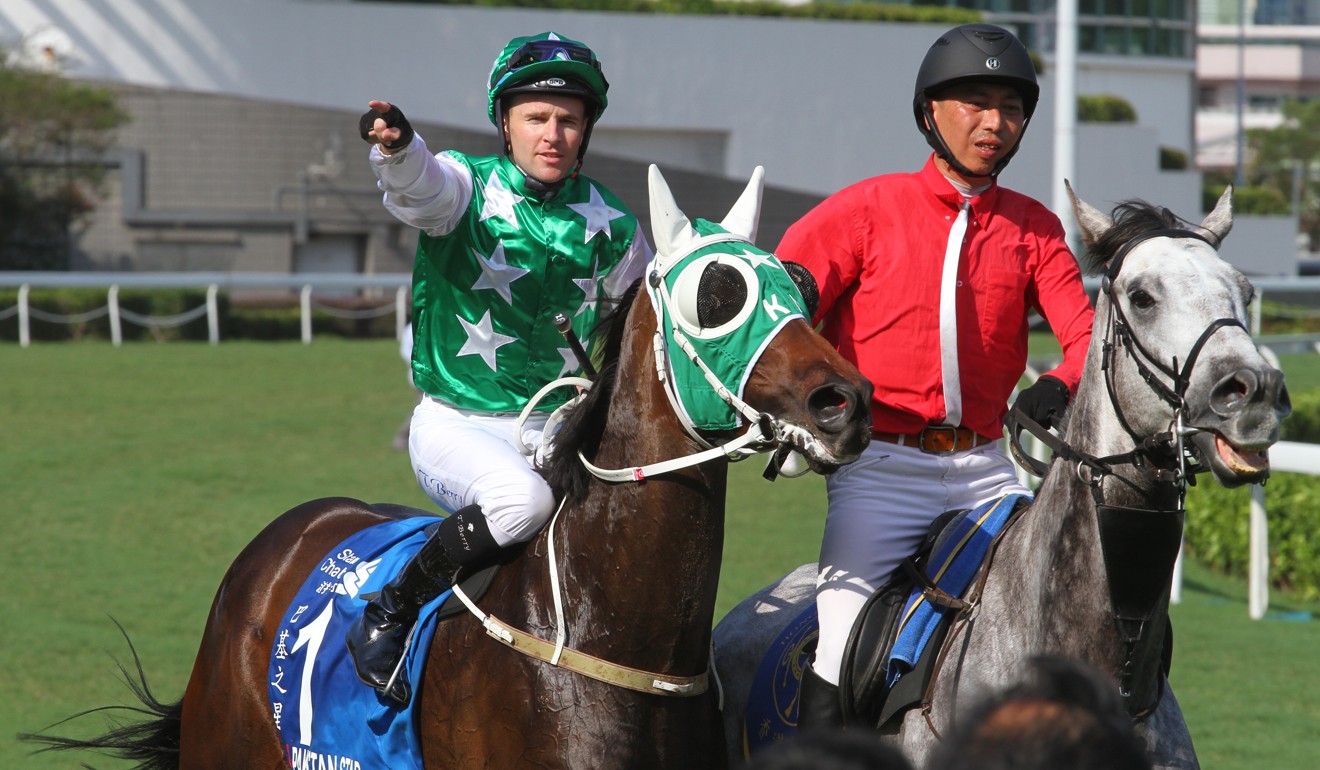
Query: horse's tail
point(153, 742)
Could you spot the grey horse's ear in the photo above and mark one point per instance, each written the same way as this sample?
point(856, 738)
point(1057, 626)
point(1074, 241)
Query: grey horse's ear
point(1093, 222)
point(669, 225)
point(1220, 221)
point(746, 213)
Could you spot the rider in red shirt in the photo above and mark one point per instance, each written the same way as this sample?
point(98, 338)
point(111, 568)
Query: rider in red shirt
point(926, 281)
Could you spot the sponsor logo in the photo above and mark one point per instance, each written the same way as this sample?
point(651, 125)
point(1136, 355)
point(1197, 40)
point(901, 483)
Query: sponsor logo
point(992, 63)
point(306, 759)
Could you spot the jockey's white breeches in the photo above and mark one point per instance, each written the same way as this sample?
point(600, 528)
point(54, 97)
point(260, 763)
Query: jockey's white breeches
point(463, 457)
point(880, 508)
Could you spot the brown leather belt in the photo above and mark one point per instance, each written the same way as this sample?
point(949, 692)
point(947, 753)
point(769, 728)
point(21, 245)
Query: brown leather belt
point(936, 439)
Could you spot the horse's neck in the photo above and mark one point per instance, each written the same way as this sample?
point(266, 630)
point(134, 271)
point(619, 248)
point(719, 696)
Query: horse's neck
point(1062, 583)
point(642, 559)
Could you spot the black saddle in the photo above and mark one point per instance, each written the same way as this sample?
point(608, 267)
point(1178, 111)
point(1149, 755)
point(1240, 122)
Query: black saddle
point(866, 697)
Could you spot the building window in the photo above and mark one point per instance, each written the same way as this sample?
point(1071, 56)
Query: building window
point(1114, 27)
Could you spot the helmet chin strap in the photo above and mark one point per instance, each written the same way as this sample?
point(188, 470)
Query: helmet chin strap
point(942, 151)
point(546, 188)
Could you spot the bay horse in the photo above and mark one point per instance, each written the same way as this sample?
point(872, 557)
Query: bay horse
point(1173, 386)
point(637, 551)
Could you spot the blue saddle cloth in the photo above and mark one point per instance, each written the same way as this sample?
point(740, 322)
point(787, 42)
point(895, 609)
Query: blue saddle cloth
point(772, 699)
point(325, 715)
point(952, 564)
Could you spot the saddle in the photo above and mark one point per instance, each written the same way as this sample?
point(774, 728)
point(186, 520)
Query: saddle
point(894, 643)
point(864, 688)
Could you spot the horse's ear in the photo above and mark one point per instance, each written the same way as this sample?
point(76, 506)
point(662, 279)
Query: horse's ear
point(746, 213)
point(669, 225)
point(1220, 221)
point(1091, 220)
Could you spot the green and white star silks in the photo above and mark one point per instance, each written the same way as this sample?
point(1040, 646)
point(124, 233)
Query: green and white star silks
point(684, 250)
point(485, 295)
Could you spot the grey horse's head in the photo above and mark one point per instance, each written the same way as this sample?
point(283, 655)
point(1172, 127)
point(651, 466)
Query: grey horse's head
point(1185, 313)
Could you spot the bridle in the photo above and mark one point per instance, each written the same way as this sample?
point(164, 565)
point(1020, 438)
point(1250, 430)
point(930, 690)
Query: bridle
point(1163, 455)
point(764, 433)
point(1138, 545)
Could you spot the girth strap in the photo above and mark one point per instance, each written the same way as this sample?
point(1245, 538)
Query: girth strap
point(602, 670)
point(588, 665)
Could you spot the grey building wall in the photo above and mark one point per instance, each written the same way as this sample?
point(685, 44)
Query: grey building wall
point(256, 94)
point(224, 183)
point(820, 103)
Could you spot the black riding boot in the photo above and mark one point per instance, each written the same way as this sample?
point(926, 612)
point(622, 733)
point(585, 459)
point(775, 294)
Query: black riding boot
point(376, 639)
point(819, 707)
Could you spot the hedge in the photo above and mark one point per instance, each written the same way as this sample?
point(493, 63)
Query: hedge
point(1105, 108)
point(846, 11)
point(1218, 525)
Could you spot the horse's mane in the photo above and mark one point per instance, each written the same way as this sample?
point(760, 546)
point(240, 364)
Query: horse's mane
point(584, 422)
point(1131, 218)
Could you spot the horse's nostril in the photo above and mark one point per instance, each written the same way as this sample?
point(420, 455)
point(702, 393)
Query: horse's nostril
point(1231, 394)
point(831, 407)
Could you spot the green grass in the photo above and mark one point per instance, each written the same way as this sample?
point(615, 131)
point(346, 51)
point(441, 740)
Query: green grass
point(131, 477)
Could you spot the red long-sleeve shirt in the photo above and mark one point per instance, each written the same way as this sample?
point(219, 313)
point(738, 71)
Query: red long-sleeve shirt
point(876, 249)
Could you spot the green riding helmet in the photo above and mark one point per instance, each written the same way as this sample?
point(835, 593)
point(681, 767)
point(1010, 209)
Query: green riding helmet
point(548, 64)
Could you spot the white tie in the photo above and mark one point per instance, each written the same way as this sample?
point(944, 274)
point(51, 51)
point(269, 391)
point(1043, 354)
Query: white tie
point(949, 320)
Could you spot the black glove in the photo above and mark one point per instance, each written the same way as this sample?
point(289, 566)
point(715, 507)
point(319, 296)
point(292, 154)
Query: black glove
point(393, 119)
point(1044, 401)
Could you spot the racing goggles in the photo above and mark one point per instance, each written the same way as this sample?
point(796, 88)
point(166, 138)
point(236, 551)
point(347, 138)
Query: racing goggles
point(538, 51)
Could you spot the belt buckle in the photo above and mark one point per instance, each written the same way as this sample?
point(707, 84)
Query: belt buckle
point(938, 439)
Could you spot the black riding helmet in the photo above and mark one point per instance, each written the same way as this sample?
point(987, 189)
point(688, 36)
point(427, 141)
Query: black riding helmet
point(981, 52)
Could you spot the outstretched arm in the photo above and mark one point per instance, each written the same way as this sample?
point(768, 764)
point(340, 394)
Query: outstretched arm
point(430, 192)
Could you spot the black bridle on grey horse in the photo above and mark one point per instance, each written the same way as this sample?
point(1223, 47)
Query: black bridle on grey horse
point(1139, 545)
point(1156, 452)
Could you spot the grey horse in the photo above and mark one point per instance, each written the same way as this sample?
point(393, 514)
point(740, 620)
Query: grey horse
point(1173, 386)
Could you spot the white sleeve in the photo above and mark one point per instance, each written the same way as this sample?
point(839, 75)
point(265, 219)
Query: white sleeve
point(632, 267)
point(430, 192)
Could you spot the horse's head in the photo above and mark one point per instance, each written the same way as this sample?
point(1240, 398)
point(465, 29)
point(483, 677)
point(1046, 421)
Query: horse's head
point(736, 340)
point(1174, 317)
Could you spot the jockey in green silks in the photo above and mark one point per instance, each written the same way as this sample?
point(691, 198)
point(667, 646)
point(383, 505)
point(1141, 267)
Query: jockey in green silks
point(507, 242)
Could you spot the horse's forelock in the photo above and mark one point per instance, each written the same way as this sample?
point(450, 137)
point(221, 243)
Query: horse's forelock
point(584, 423)
point(1131, 218)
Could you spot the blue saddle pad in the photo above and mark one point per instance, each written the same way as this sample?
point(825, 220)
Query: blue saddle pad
point(325, 715)
point(773, 697)
point(952, 564)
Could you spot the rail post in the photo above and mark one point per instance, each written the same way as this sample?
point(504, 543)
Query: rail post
point(1258, 571)
point(212, 314)
point(400, 312)
point(24, 320)
point(116, 331)
point(306, 314)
